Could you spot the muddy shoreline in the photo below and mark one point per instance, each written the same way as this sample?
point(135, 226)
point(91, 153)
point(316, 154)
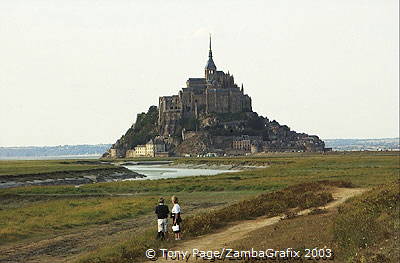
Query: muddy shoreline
point(117, 173)
point(69, 177)
point(171, 164)
point(214, 166)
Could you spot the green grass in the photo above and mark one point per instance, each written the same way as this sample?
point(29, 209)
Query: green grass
point(362, 169)
point(43, 217)
point(47, 166)
point(40, 211)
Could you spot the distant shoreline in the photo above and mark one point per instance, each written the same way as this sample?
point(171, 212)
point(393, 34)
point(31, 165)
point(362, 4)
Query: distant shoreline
point(57, 157)
point(95, 151)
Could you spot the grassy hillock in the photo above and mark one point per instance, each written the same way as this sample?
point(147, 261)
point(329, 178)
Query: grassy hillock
point(367, 229)
point(364, 229)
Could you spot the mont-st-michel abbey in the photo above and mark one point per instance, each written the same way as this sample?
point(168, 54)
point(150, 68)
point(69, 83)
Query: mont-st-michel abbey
point(215, 93)
point(211, 116)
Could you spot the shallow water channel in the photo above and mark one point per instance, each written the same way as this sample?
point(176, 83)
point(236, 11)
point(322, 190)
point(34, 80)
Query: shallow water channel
point(151, 170)
point(154, 172)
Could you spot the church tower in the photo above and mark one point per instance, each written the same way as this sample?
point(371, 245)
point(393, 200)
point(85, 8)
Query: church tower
point(210, 66)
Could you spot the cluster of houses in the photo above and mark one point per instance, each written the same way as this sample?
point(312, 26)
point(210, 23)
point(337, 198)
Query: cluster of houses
point(239, 145)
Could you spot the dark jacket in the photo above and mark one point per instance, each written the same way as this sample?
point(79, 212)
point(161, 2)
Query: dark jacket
point(162, 211)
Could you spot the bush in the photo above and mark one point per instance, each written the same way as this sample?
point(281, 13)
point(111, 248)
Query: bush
point(270, 204)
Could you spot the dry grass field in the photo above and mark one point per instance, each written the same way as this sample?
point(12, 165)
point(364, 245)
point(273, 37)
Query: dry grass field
point(99, 222)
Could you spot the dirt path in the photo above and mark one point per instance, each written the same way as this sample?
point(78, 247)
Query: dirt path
point(240, 230)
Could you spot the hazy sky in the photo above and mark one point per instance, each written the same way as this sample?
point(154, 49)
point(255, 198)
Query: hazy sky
point(74, 72)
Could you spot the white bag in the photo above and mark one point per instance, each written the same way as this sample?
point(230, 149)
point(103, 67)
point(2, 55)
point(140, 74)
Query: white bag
point(175, 228)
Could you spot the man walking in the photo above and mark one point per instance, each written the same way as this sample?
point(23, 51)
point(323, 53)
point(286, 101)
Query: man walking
point(162, 212)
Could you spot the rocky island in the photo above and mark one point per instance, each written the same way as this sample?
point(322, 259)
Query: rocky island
point(211, 116)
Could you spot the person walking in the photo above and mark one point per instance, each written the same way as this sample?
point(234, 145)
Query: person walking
point(162, 212)
point(176, 218)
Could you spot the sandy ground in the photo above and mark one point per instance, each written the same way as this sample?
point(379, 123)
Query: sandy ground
point(240, 230)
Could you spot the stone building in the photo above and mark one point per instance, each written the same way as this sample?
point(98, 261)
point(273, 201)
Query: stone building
point(150, 149)
point(215, 93)
point(113, 153)
point(246, 143)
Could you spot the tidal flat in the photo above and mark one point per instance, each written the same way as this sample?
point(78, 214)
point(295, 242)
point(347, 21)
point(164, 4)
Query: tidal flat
point(17, 173)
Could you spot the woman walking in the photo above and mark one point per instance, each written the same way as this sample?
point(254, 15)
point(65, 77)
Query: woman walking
point(176, 218)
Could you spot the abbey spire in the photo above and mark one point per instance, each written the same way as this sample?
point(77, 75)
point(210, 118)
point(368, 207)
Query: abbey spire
point(210, 50)
point(210, 66)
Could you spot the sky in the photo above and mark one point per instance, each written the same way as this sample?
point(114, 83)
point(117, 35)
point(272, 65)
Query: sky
point(78, 72)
